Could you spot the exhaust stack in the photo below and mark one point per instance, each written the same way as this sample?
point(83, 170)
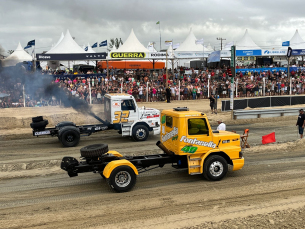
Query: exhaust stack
point(165, 150)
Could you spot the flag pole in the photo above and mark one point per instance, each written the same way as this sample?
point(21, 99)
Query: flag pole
point(160, 35)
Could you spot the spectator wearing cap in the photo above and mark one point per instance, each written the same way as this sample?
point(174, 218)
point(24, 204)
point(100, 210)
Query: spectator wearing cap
point(221, 125)
point(301, 122)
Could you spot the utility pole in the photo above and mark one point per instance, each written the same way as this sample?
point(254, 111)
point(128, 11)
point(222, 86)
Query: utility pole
point(220, 39)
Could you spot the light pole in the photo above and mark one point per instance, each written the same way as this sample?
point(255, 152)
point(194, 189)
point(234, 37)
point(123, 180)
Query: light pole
point(220, 39)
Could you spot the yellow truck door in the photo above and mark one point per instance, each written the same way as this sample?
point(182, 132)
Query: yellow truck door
point(198, 138)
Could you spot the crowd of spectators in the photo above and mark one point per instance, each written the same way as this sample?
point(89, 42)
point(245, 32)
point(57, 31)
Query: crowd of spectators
point(147, 85)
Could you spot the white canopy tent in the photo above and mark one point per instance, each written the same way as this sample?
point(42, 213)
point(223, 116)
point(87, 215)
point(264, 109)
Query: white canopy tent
point(189, 44)
point(296, 42)
point(246, 43)
point(67, 45)
point(90, 49)
point(132, 44)
point(19, 55)
point(151, 47)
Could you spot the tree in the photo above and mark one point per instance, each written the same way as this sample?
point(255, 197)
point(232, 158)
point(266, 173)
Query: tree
point(115, 42)
point(10, 51)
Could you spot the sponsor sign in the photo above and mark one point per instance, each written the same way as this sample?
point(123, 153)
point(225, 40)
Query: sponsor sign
point(194, 141)
point(42, 132)
point(139, 55)
point(268, 52)
point(248, 52)
point(298, 52)
point(286, 43)
point(170, 134)
point(72, 56)
point(116, 105)
point(225, 53)
point(184, 55)
point(157, 55)
point(128, 55)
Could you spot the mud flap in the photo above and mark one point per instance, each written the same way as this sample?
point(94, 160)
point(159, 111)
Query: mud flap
point(68, 164)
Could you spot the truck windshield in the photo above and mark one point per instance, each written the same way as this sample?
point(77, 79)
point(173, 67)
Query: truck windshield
point(127, 105)
point(197, 126)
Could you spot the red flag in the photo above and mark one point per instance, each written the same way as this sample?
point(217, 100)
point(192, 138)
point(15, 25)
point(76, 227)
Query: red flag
point(269, 138)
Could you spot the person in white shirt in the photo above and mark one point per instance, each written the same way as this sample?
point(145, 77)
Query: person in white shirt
point(221, 126)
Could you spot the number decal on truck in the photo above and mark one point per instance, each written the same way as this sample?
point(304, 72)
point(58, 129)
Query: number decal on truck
point(121, 116)
point(189, 149)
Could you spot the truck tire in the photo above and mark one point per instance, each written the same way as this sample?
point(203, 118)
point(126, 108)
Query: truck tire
point(37, 119)
point(140, 133)
point(95, 150)
point(69, 136)
point(215, 168)
point(122, 179)
point(39, 125)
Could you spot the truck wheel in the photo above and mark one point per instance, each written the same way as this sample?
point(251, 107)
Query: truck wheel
point(69, 136)
point(39, 125)
point(95, 150)
point(37, 119)
point(215, 168)
point(140, 133)
point(122, 179)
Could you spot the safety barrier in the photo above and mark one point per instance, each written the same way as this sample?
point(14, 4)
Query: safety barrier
point(268, 101)
point(267, 113)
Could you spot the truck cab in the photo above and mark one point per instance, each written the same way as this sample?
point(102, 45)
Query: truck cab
point(188, 133)
point(123, 113)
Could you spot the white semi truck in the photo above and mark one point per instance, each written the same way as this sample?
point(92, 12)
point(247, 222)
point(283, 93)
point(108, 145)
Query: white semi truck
point(121, 113)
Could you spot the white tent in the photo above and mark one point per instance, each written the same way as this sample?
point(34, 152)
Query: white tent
point(209, 48)
point(246, 43)
point(189, 44)
point(151, 47)
point(132, 44)
point(296, 42)
point(67, 45)
point(19, 55)
point(90, 50)
point(60, 39)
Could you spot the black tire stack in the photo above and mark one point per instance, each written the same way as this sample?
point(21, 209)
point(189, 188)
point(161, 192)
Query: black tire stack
point(38, 124)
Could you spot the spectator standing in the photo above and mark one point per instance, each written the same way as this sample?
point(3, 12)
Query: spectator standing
point(301, 122)
point(213, 103)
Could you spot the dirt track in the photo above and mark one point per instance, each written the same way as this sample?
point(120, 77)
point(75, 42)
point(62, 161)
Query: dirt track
point(267, 193)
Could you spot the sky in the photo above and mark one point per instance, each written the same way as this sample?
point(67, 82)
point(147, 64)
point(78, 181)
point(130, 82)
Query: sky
point(268, 22)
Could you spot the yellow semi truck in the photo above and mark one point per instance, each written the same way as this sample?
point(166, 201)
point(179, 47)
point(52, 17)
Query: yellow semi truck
point(187, 141)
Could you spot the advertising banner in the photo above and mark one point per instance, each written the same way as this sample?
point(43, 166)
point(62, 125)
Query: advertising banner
point(214, 57)
point(298, 52)
point(225, 53)
point(248, 52)
point(244, 70)
point(138, 55)
point(271, 52)
point(187, 55)
point(72, 56)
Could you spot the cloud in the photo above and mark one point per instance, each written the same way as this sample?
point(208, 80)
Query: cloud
point(96, 20)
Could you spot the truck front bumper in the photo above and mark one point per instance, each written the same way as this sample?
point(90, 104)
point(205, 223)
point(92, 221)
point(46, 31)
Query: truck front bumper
point(238, 164)
point(157, 130)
